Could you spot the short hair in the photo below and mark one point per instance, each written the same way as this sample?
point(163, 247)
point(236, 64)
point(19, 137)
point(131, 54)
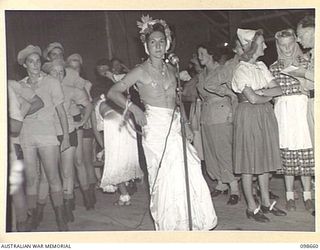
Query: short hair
point(103, 61)
point(307, 21)
point(211, 49)
point(251, 50)
point(285, 33)
point(115, 59)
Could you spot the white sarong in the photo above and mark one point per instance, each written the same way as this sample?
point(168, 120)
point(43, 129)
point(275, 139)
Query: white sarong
point(121, 152)
point(168, 202)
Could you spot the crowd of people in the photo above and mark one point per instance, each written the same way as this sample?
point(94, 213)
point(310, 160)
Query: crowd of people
point(246, 123)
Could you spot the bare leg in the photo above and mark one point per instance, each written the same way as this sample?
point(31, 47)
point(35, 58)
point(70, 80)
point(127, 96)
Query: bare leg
point(67, 171)
point(289, 181)
point(306, 183)
point(124, 198)
point(43, 187)
point(30, 161)
point(49, 158)
point(20, 205)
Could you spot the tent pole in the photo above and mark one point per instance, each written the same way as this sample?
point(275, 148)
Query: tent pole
point(109, 41)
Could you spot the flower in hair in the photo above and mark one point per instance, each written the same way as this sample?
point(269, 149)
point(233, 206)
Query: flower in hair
point(146, 27)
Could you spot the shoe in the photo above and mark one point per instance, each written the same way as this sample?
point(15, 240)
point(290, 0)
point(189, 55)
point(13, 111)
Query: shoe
point(273, 196)
point(233, 200)
point(60, 218)
point(68, 210)
point(291, 205)
point(216, 192)
point(308, 204)
point(122, 203)
point(273, 210)
point(39, 212)
point(313, 213)
point(257, 215)
point(124, 200)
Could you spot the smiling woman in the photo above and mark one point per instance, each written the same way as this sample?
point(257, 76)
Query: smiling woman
point(256, 136)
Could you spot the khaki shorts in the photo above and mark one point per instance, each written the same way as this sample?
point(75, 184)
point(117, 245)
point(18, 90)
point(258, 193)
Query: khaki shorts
point(39, 141)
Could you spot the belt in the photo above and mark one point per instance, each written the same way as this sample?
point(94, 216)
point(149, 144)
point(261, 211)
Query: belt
point(311, 93)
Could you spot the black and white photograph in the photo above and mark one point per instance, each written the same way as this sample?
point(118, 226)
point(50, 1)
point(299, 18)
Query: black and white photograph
point(160, 120)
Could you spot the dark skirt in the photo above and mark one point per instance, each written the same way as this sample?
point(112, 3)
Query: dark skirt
point(256, 140)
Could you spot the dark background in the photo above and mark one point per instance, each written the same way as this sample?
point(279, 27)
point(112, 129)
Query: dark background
point(85, 32)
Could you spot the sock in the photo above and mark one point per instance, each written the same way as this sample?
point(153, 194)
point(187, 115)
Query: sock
point(306, 195)
point(290, 196)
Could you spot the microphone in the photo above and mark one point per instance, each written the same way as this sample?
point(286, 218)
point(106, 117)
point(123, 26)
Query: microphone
point(173, 58)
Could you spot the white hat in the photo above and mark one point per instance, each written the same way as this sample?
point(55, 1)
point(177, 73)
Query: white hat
point(23, 54)
point(50, 47)
point(74, 57)
point(245, 36)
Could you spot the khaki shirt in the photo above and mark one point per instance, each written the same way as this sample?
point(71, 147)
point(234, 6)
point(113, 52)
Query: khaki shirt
point(42, 121)
point(216, 107)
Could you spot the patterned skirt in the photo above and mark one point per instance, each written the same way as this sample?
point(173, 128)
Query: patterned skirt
point(295, 137)
point(297, 162)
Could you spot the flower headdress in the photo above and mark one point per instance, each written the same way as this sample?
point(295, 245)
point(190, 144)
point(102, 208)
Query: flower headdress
point(146, 27)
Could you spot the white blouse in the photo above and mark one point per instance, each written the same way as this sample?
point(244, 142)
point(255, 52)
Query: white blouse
point(256, 76)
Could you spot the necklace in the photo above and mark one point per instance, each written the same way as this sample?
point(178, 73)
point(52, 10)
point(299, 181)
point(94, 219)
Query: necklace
point(159, 77)
point(162, 71)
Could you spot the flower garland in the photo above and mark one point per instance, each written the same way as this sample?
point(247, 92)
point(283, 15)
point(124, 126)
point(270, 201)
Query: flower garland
point(146, 27)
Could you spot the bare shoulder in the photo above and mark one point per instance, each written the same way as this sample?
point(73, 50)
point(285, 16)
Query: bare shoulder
point(137, 70)
point(140, 73)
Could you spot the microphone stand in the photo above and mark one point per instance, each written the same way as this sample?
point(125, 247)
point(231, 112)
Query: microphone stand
point(184, 145)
